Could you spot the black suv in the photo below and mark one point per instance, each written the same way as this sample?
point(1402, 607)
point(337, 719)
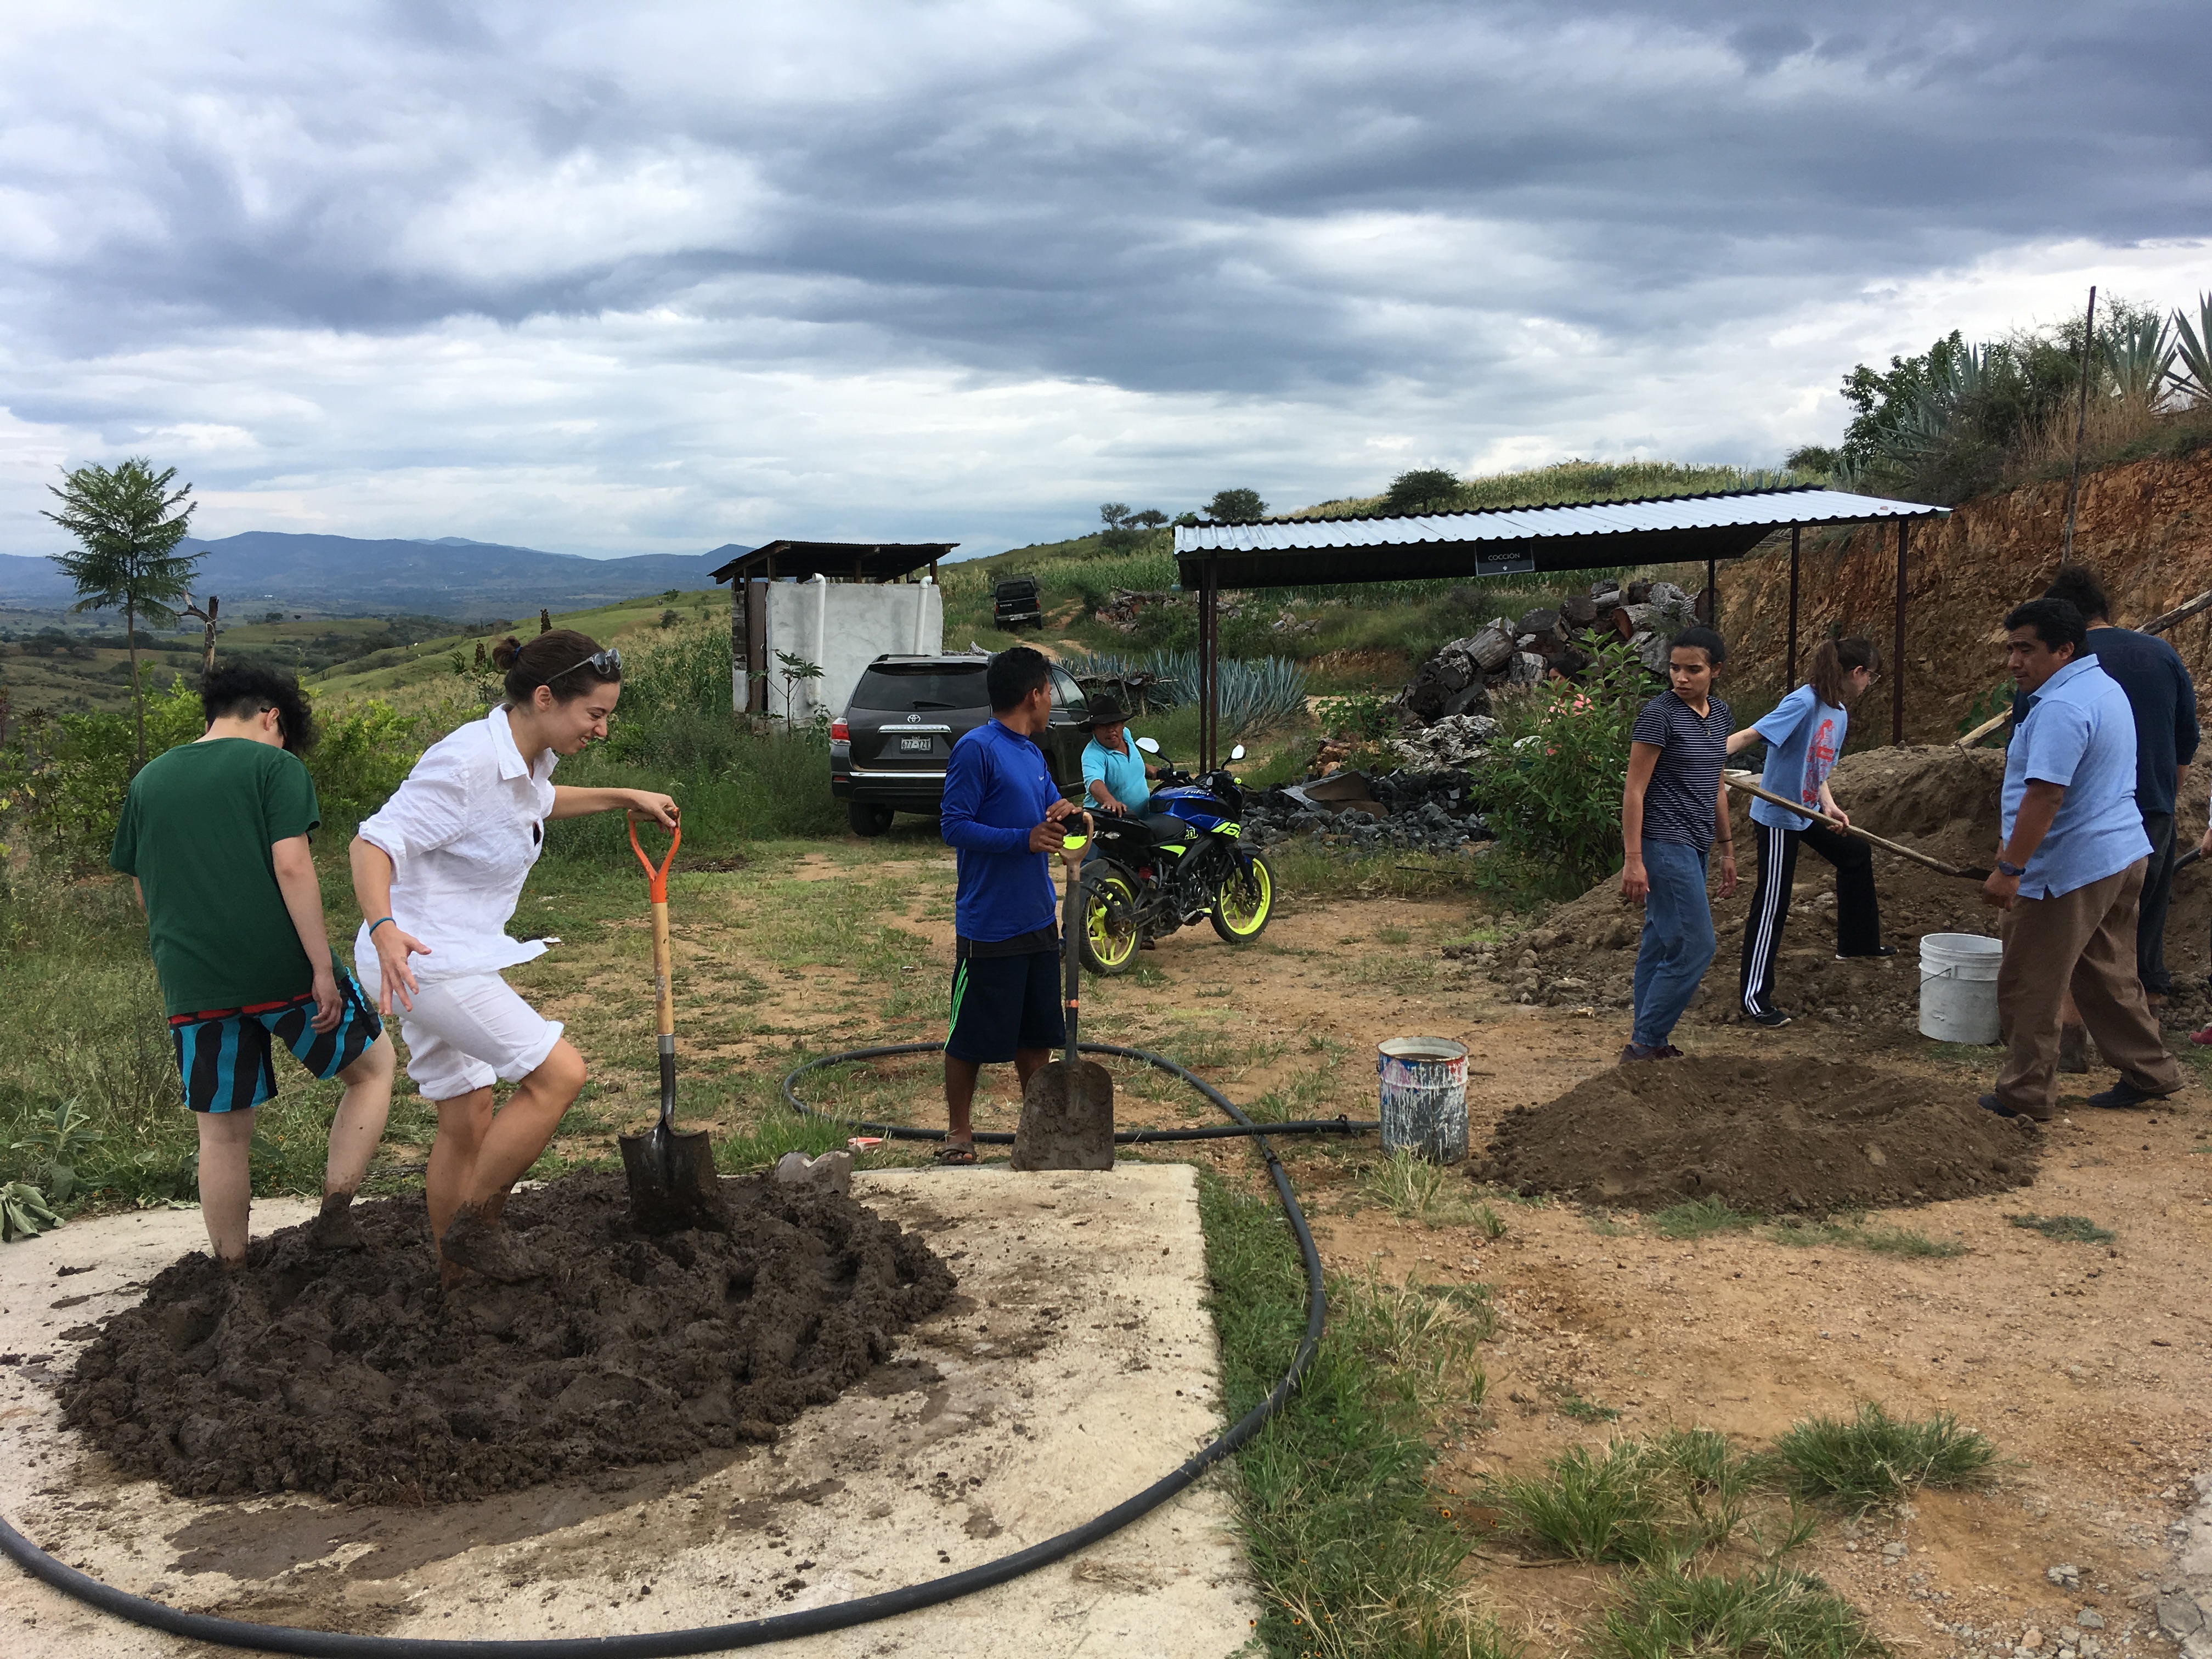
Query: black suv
point(1015, 601)
point(888, 753)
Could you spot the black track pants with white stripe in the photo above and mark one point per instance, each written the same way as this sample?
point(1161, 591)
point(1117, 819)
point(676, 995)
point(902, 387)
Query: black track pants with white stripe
point(1858, 914)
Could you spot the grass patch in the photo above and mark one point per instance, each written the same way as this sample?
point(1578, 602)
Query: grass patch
point(1414, 1189)
point(1872, 1458)
point(1352, 1551)
point(1772, 1614)
point(1857, 1233)
point(2069, 1229)
point(1647, 1502)
point(1587, 1411)
point(1700, 1218)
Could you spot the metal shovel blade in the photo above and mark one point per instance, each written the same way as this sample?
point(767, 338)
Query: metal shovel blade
point(1068, 1118)
point(672, 1183)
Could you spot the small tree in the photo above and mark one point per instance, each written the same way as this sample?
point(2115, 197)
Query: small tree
point(1113, 515)
point(1236, 506)
point(1421, 489)
point(127, 522)
point(795, 671)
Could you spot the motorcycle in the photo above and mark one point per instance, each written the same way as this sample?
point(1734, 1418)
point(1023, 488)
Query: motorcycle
point(1182, 859)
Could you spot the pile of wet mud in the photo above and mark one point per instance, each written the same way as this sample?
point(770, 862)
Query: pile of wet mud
point(352, 1375)
point(1769, 1137)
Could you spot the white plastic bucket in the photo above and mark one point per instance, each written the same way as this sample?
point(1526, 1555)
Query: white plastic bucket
point(1423, 1097)
point(1959, 987)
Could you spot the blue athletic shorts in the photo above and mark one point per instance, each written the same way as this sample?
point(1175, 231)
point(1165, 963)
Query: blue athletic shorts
point(1000, 1004)
point(227, 1057)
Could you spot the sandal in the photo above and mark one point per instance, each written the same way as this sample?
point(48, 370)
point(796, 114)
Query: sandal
point(957, 1152)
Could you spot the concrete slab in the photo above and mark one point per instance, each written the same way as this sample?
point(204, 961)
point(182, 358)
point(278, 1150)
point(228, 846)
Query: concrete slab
point(1077, 1364)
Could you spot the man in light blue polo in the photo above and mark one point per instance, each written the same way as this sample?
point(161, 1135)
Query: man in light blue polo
point(2070, 873)
point(1115, 775)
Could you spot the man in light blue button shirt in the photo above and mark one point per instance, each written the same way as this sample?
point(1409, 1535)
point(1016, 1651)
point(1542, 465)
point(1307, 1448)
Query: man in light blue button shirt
point(2070, 873)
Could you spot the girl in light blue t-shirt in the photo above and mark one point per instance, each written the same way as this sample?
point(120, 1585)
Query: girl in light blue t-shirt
point(1804, 734)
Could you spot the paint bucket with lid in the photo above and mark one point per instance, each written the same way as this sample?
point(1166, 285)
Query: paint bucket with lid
point(1423, 1097)
point(1959, 987)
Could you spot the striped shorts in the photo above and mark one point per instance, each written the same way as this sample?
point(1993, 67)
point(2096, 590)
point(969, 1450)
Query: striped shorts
point(227, 1056)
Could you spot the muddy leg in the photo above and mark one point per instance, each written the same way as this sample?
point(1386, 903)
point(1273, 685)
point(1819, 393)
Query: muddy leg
point(463, 1122)
point(226, 1183)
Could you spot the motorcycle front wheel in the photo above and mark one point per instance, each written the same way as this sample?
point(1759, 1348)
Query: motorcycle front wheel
point(1245, 901)
point(1110, 934)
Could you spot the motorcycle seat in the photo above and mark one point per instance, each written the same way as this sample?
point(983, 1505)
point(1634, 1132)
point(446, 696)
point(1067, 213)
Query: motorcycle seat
point(1166, 826)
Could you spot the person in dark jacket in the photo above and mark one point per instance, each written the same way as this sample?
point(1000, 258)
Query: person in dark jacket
point(1004, 819)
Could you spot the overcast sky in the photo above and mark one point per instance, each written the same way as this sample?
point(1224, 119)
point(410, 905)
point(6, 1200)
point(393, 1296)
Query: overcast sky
point(656, 276)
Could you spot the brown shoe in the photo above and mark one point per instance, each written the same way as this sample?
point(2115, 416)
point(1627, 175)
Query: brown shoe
point(486, 1248)
point(2073, 1048)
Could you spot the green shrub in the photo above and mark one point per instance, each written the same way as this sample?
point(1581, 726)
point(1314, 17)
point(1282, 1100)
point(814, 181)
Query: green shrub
point(1550, 787)
point(1874, 1458)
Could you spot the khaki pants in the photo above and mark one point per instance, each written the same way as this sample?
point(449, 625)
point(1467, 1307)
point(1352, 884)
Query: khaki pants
point(2084, 940)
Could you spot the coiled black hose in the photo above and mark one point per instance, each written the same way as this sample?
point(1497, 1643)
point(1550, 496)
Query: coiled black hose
point(843, 1615)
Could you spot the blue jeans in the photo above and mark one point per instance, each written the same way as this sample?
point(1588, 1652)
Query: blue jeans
point(1678, 939)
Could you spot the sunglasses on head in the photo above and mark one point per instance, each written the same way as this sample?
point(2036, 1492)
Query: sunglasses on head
point(606, 664)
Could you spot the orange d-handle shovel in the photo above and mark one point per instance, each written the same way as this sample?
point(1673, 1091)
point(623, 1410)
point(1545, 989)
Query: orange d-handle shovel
point(672, 1183)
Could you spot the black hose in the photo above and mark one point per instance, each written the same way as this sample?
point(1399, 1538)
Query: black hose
point(843, 1615)
point(1242, 1128)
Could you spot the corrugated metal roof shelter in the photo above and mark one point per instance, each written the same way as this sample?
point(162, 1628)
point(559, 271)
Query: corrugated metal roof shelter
point(1516, 540)
point(856, 562)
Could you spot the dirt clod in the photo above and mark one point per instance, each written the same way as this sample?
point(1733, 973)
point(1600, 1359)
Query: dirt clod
point(351, 1375)
point(1791, 1135)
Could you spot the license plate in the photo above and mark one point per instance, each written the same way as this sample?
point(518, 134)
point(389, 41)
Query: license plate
point(914, 745)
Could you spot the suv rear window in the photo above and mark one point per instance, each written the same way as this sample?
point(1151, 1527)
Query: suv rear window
point(926, 685)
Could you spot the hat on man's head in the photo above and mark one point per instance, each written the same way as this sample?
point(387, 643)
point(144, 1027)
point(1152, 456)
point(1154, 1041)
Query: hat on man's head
point(1105, 710)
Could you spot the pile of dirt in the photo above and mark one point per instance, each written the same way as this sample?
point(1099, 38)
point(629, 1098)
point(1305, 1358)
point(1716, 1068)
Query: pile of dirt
point(1941, 800)
point(1766, 1137)
point(349, 1374)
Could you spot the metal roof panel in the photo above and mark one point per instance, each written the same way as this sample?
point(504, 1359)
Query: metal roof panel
point(1771, 509)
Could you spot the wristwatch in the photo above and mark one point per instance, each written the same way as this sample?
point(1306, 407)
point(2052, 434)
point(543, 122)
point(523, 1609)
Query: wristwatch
point(2013, 870)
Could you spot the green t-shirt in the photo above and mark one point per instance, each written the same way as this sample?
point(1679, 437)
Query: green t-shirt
point(197, 830)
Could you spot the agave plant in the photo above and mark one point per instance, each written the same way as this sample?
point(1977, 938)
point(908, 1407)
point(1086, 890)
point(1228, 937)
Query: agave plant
point(2140, 358)
point(2193, 348)
point(1253, 695)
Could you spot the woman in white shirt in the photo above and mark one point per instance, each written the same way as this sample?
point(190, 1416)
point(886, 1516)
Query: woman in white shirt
point(438, 871)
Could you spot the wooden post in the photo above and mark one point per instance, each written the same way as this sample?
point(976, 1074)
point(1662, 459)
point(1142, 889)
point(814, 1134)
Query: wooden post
point(1897, 651)
point(1209, 639)
point(1795, 532)
point(1712, 593)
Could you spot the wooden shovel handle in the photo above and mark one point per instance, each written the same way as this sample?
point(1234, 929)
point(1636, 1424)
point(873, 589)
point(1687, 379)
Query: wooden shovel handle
point(664, 1000)
point(1750, 788)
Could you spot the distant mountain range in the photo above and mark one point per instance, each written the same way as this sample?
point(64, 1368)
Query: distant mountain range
point(346, 576)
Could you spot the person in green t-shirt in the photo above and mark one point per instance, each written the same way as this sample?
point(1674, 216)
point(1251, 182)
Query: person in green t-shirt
point(214, 837)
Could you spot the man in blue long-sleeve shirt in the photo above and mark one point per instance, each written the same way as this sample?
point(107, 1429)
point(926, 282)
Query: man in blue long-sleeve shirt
point(1005, 820)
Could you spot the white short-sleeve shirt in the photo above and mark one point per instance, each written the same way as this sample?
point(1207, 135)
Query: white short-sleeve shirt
point(462, 833)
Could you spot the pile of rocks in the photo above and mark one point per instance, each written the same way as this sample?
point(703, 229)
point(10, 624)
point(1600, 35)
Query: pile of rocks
point(1445, 745)
point(1549, 640)
point(1422, 811)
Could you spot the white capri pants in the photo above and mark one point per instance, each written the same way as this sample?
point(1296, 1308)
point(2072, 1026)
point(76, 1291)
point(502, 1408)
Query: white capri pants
point(463, 1033)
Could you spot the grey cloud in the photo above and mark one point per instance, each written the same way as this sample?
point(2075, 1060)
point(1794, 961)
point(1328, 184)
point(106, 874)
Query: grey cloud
point(1325, 202)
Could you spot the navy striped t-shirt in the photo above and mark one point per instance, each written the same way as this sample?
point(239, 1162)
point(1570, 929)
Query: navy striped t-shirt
point(1677, 803)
